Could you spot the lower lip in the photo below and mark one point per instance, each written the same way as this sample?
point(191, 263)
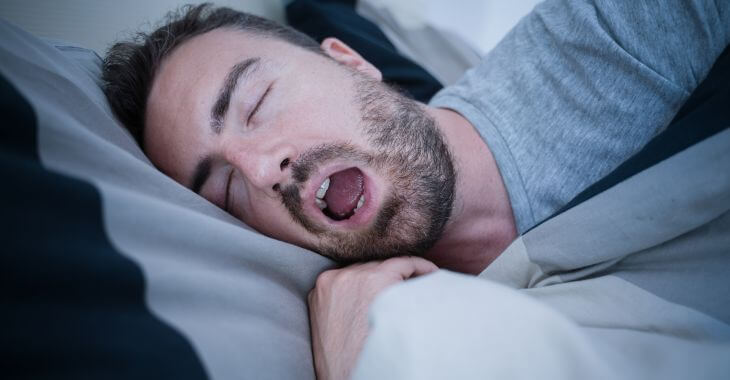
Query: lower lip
point(362, 216)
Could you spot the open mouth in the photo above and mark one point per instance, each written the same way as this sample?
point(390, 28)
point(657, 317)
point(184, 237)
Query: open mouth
point(341, 194)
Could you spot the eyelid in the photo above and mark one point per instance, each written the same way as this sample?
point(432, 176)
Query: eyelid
point(258, 105)
point(226, 205)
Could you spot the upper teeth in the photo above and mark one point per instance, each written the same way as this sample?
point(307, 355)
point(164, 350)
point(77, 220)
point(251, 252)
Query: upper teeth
point(320, 203)
point(319, 200)
point(323, 188)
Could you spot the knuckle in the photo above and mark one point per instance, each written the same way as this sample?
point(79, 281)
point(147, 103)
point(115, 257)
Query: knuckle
point(393, 262)
point(325, 278)
point(356, 274)
point(344, 277)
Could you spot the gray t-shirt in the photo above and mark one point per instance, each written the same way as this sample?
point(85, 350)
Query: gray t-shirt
point(578, 86)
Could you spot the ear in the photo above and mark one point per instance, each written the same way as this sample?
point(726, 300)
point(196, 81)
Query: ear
point(340, 52)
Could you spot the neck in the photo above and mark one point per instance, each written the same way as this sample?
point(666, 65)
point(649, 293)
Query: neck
point(482, 224)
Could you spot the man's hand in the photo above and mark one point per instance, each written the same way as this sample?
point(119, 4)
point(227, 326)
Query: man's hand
point(338, 307)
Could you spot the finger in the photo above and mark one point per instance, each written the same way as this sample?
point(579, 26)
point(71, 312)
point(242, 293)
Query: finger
point(357, 266)
point(409, 266)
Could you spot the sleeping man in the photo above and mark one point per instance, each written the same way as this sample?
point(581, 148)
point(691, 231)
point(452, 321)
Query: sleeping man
point(303, 142)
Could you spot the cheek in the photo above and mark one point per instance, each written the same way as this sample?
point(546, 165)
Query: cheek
point(322, 118)
point(324, 105)
point(271, 220)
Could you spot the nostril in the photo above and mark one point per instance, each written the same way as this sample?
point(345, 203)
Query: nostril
point(276, 187)
point(284, 164)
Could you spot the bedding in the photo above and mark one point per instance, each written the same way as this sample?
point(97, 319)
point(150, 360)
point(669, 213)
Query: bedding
point(630, 284)
point(628, 281)
point(115, 270)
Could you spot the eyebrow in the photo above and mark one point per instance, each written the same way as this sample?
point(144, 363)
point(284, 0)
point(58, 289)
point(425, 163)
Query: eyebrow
point(220, 107)
point(218, 112)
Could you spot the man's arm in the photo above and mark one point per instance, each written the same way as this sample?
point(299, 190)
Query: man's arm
point(338, 307)
point(677, 39)
point(579, 86)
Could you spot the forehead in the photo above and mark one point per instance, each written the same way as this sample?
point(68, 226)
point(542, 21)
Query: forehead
point(185, 87)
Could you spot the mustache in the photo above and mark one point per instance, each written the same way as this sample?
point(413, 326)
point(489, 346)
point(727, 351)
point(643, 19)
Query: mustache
point(309, 161)
point(292, 200)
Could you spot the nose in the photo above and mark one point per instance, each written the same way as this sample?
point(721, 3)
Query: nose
point(265, 165)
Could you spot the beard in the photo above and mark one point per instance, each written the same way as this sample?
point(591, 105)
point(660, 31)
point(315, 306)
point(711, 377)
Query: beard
point(410, 153)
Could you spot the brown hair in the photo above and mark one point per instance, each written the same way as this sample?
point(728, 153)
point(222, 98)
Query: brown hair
point(130, 67)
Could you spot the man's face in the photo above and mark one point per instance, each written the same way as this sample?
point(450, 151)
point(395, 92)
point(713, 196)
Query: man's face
point(299, 147)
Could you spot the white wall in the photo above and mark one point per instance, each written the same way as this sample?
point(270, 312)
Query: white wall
point(482, 23)
point(97, 23)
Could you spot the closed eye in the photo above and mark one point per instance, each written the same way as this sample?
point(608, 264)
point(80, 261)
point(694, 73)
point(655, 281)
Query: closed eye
point(226, 205)
point(258, 105)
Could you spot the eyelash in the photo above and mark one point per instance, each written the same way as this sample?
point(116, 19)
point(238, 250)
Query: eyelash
point(258, 105)
point(226, 205)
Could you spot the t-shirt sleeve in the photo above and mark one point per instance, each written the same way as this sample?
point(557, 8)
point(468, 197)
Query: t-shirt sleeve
point(578, 86)
point(677, 39)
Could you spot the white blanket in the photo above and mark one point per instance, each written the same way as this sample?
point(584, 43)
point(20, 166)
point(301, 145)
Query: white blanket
point(656, 307)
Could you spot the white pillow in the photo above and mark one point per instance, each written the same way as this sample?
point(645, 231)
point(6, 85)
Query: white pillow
point(146, 249)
